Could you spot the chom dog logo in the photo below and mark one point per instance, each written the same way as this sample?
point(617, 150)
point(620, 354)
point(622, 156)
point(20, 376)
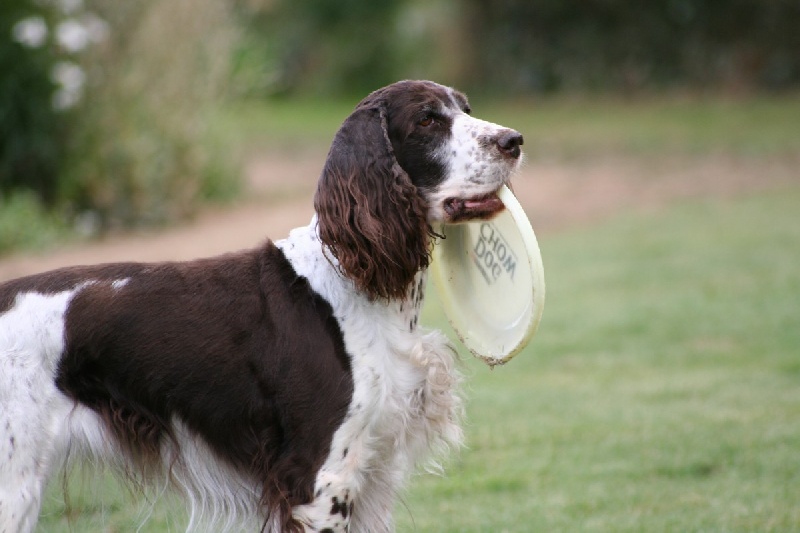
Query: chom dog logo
point(492, 254)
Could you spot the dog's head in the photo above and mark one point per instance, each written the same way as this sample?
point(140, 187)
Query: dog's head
point(409, 155)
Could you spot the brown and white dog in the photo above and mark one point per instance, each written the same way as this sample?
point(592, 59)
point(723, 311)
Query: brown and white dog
point(284, 388)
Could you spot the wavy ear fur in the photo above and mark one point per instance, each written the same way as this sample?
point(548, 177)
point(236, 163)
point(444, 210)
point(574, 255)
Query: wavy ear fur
point(370, 215)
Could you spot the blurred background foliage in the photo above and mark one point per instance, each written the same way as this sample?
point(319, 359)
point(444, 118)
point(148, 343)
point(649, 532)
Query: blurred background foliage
point(106, 107)
point(139, 134)
point(526, 46)
point(104, 110)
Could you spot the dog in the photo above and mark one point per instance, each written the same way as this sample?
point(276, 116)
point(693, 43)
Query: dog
point(285, 388)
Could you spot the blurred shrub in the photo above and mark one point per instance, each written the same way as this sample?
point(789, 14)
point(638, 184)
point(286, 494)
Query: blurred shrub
point(553, 45)
point(524, 46)
point(25, 223)
point(30, 129)
point(139, 150)
point(327, 47)
point(105, 108)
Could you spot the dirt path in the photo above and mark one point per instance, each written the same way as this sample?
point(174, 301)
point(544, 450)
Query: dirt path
point(556, 195)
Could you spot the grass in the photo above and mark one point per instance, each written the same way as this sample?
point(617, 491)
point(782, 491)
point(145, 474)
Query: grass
point(757, 126)
point(661, 394)
point(282, 126)
point(560, 127)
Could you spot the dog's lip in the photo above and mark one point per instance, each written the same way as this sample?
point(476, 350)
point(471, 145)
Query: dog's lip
point(482, 206)
point(482, 201)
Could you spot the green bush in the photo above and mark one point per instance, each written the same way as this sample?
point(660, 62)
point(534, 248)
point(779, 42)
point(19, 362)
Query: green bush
point(625, 45)
point(30, 129)
point(139, 152)
point(105, 105)
point(25, 223)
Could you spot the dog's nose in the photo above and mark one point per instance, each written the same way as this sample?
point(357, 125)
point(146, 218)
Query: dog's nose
point(509, 141)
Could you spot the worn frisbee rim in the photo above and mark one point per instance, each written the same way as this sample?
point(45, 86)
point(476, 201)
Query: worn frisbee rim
point(454, 267)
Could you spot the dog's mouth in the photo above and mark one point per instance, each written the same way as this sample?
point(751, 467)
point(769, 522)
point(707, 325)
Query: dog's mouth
point(479, 207)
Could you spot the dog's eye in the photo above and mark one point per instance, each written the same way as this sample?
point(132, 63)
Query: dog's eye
point(425, 122)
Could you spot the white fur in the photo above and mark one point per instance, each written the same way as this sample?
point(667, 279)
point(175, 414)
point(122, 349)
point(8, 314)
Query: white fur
point(32, 409)
point(219, 499)
point(119, 283)
point(404, 400)
point(475, 168)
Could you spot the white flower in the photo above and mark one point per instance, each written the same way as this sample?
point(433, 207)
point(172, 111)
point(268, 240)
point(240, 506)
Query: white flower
point(63, 100)
point(74, 35)
point(31, 32)
point(71, 78)
point(68, 75)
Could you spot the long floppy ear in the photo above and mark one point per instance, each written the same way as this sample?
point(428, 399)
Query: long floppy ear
point(370, 215)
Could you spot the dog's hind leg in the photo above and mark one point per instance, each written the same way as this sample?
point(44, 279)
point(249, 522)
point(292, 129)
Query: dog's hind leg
point(31, 448)
point(20, 498)
point(33, 411)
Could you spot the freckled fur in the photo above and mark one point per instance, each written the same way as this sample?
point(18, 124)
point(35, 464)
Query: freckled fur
point(284, 388)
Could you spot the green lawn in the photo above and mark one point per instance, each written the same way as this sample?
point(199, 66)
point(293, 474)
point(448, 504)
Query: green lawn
point(653, 126)
point(561, 127)
point(662, 392)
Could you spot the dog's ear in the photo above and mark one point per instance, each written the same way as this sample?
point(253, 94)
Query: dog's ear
point(371, 217)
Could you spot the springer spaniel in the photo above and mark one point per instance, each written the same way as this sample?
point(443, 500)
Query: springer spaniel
point(284, 388)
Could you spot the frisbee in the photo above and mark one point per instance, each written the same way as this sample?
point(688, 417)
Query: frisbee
point(490, 279)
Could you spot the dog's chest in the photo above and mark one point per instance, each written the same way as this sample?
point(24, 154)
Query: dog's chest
point(386, 348)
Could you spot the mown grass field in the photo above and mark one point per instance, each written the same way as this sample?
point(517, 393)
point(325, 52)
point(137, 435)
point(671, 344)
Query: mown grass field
point(563, 127)
point(662, 392)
